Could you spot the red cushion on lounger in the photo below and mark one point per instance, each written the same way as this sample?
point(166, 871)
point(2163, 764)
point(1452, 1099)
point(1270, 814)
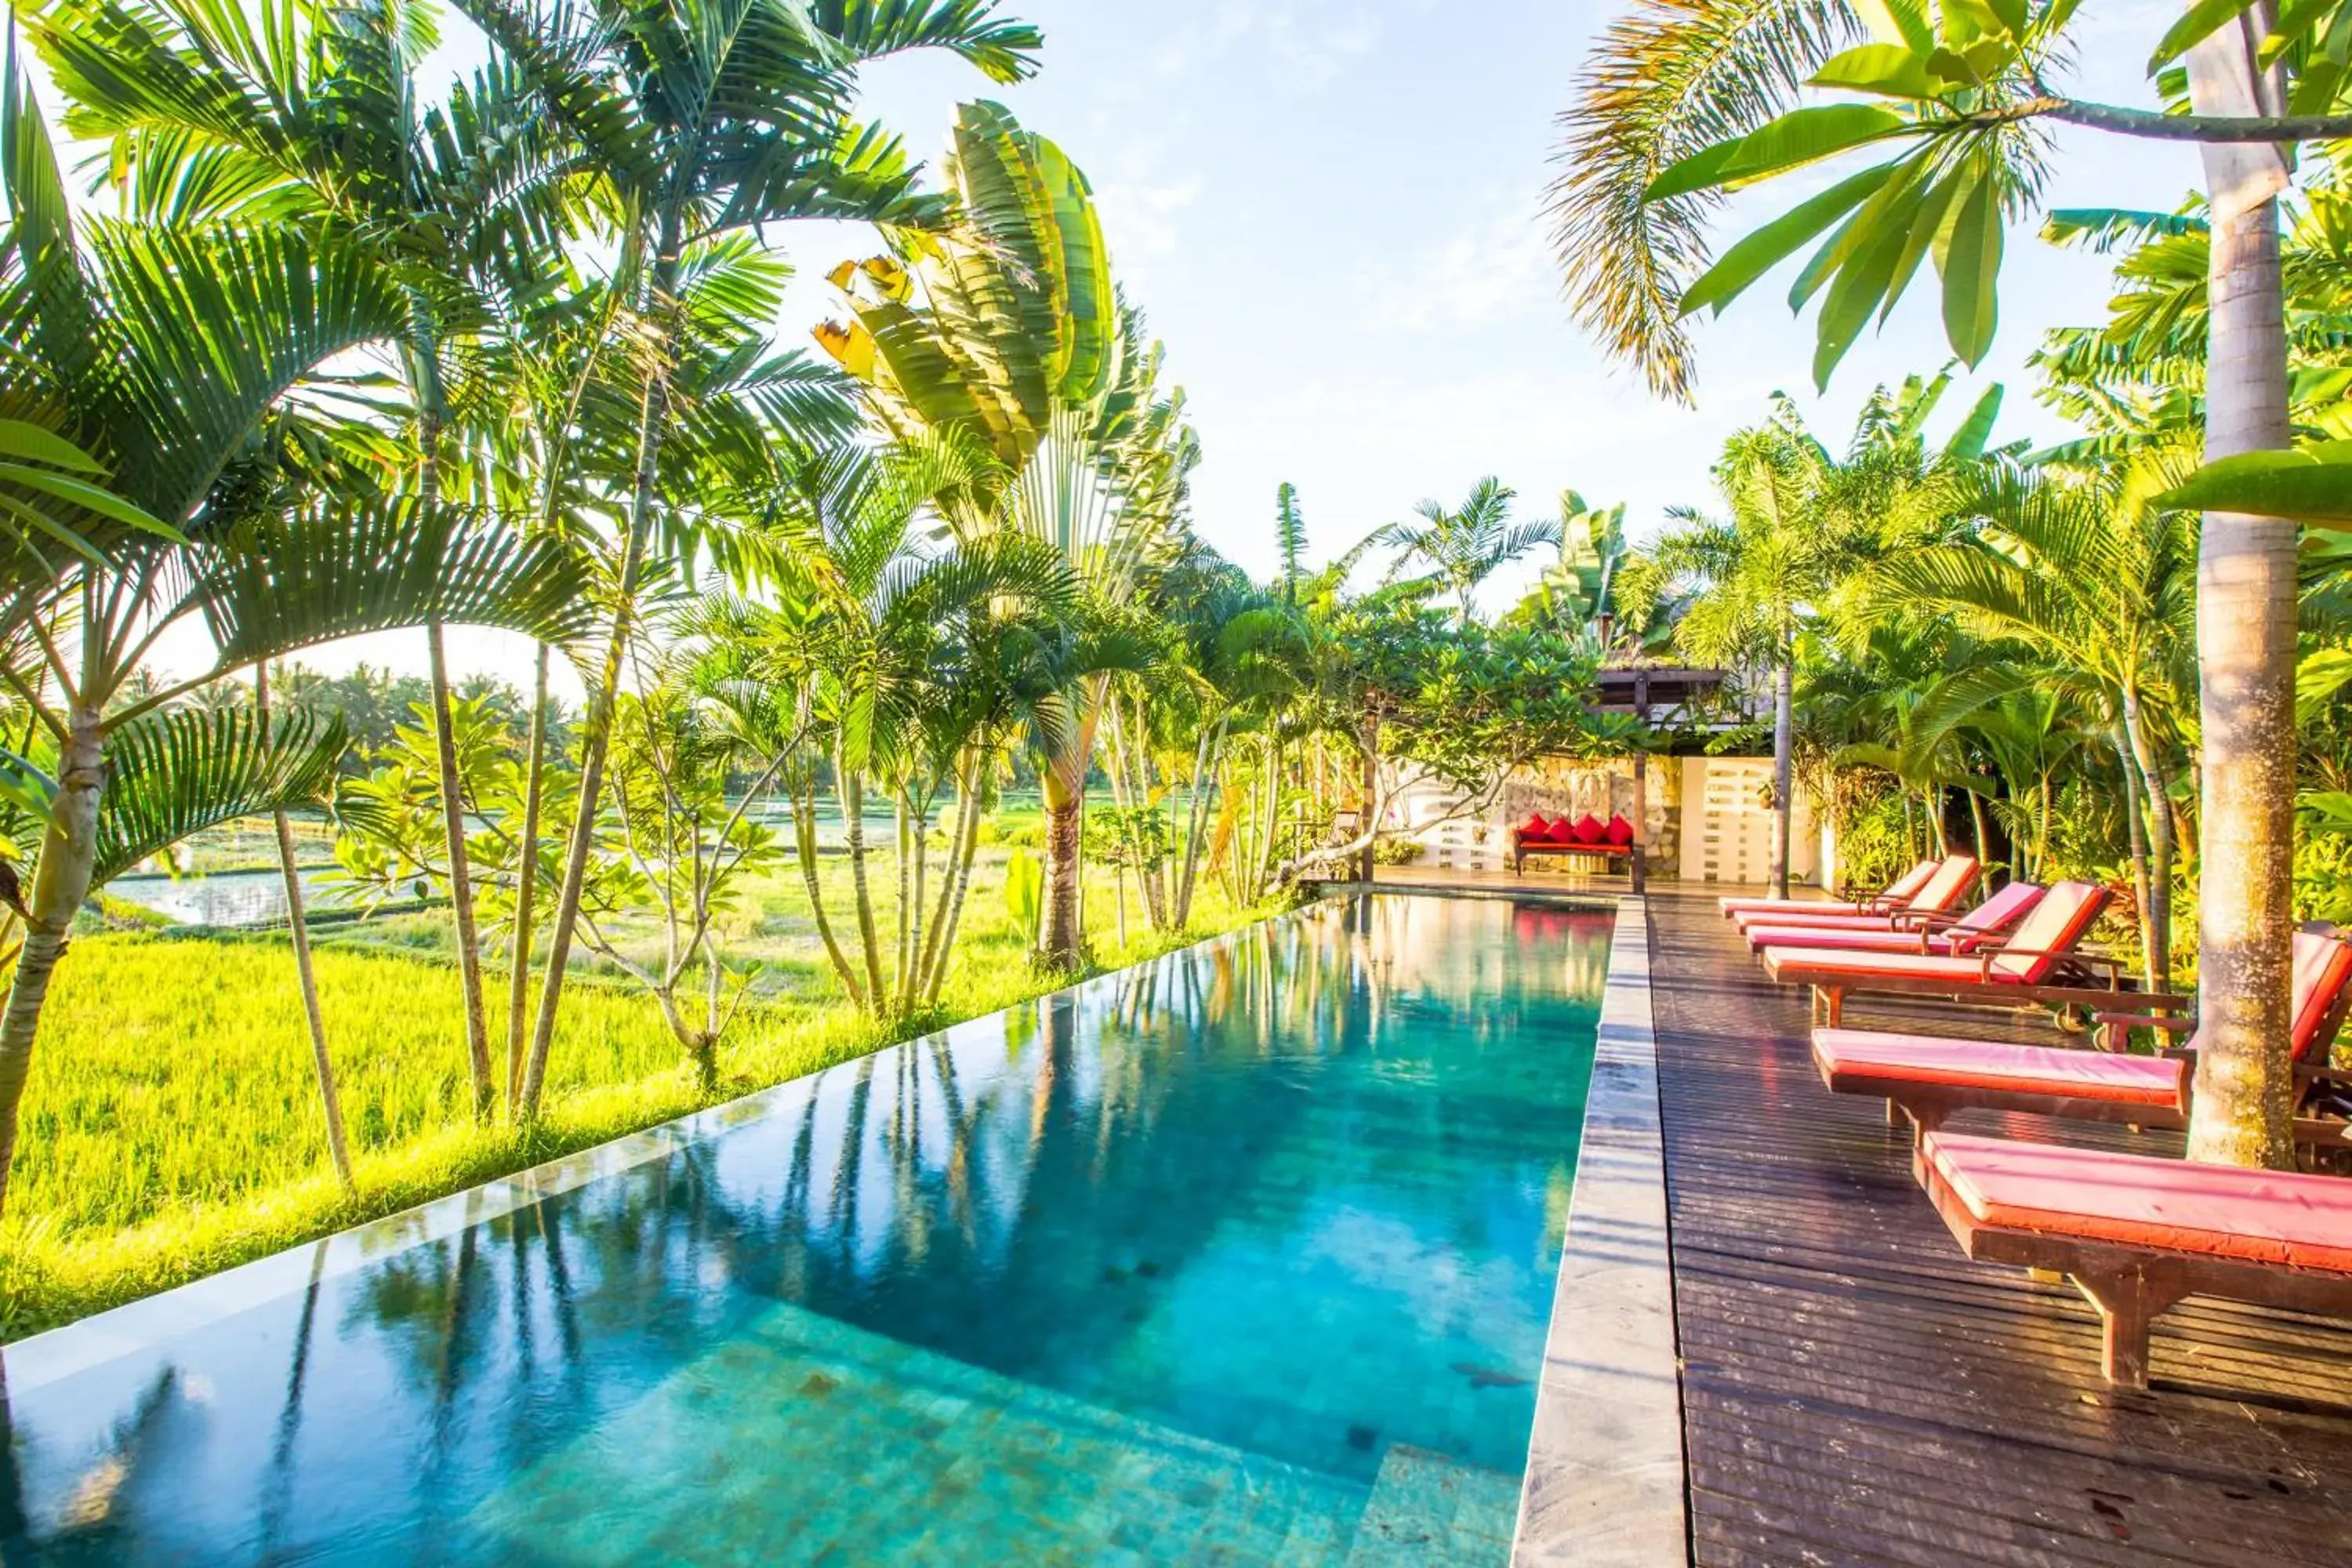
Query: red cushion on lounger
point(1587, 829)
point(1818, 966)
point(2176, 1206)
point(1993, 916)
point(2056, 923)
point(2322, 965)
point(1563, 831)
point(1988, 1064)
point(1841, 916)
point(1618, 832)
point(1954, 875)
point(1842, 939)
point(1535, 827)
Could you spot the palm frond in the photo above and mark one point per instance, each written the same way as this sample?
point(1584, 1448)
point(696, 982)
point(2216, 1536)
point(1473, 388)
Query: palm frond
point(1667, 79)
point(363, 565)
point(176, 773)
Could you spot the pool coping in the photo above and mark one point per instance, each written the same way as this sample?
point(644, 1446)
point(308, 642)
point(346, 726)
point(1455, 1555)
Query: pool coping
point(1605, 1479)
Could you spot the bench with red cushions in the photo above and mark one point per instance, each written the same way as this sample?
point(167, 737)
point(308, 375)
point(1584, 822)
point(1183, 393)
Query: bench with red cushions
point(1612, 841)
point(2137, 1233)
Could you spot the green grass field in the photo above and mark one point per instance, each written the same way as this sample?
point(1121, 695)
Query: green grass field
point(171, 1126)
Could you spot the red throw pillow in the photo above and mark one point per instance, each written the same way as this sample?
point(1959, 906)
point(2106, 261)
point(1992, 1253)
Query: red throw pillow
point(1563, 831)
point(1535, 827)
point(1618, 832)
point(1588, 829)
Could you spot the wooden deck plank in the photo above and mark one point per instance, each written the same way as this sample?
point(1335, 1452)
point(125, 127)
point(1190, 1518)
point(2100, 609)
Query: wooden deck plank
point(1857, 1392)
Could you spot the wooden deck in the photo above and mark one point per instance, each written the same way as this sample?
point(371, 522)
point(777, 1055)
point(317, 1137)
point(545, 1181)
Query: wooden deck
point(1857, 1392)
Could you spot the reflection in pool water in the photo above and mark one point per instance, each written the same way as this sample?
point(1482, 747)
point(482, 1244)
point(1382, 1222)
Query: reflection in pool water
point(1251, 1248)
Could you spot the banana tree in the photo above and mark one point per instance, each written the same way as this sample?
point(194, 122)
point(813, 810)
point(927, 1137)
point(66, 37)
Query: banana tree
point(1954, 90)
point(700, 119)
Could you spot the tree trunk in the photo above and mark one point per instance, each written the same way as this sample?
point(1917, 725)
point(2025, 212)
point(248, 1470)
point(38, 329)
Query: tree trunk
point(2246, 651)
point(1060, 946)
point(596, 729)
point(526, 886)
point(298, 927)
point(1640, 821)
point(60, 882)
point(849, 790)
point(1368, 868)
point(1784, 780)
point(2158, 914)
point(2136, 823)
point(461, 878)
point(804, 850)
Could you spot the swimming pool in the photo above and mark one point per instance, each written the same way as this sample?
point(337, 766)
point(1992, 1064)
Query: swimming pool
point(1242, 1256)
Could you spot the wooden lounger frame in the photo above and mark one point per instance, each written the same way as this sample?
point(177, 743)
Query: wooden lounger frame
point(1829, 990)
point(2132, 1286)
point(1926, 1103)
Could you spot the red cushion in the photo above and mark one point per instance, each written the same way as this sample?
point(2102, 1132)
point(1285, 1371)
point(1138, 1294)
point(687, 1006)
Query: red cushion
point(1810, 914)
point(1842, 939)
point(1563, 831)
point(1535, 827)
point(1587, 829)
point(1806, 966)
point(1618, 832)
point(2171, 1205)
point(1985, 1064)
point(2322, 965)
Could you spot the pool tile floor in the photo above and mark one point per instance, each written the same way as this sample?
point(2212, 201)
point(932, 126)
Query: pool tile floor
point(806, 1431)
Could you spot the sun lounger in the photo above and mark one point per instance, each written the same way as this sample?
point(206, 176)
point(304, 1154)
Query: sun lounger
point(1945, 935)
point(1929, 1077)
point(2138, 1235)
point(1898, 892)
point(1937, 897)
point(2041, 963)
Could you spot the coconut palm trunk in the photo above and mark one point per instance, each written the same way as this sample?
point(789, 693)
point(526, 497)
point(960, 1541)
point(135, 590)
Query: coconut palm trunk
point(60, 882)
point(1060, 944)
point(1784, 693)
point(2246, 653)
point(526, 885)
point(596, 729)
point(298, 928)
point(461, 878)
point(2157, 915)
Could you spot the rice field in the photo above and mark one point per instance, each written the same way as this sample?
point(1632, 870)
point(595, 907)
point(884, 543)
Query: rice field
point(173, 1126)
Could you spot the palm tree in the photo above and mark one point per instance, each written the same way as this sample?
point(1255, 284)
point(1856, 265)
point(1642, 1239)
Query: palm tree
point(891, 637)
point(327, 126)
point(1670, 104)
point(702, 119)
point(1465, 547)
point(1012, 335)
point(2097, 582)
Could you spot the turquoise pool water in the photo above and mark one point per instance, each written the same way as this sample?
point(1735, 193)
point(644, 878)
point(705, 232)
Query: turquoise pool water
point(1242, 1256)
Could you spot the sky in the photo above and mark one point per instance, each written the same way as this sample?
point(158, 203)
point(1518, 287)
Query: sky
point(1332, 214)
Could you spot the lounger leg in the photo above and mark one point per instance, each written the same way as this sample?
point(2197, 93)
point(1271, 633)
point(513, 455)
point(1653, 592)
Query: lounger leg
point(1835, 997)
point(2129, 1304)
